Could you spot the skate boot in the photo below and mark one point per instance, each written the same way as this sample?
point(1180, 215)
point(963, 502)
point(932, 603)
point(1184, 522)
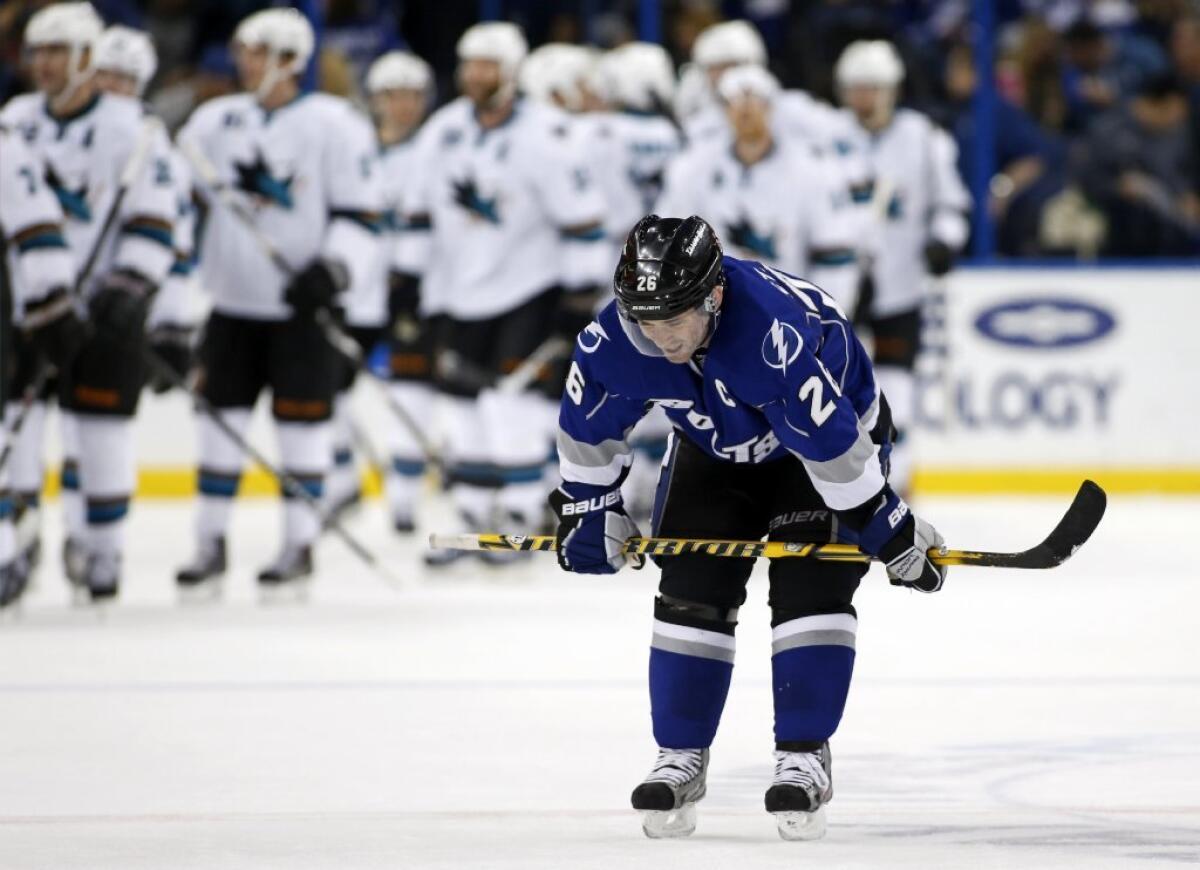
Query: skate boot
point(74, 556)
point(288, 573)
point(667, 797)
point(803, 785)
point(14, 577)
point(102, 577)
point(201, 578)
point(403, 523)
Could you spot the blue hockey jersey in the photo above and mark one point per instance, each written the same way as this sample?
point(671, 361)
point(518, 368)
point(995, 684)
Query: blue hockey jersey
point(782, 373)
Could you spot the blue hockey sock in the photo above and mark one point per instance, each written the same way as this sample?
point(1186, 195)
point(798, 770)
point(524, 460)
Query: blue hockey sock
point(690, 670)
point(811, 664)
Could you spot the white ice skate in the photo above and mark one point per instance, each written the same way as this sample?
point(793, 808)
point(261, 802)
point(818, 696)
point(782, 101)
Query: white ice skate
point(668, 795)
point(803, 785)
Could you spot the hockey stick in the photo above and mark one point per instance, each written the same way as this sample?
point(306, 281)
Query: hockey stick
point(454, 366)
point(129, 174)
point(1072, 531)
point(287, 482)
point(338, 339)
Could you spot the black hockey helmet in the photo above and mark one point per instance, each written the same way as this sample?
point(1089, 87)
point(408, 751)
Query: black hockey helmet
point(668, 266)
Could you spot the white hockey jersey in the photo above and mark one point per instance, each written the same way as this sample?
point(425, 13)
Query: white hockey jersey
point(177, 302)
point(630, 153)
point(512, 210)
point(367, 305)
point(787, 210)
point(31, 224)
point(915, 196)
point(84, 156)
point(306, 171)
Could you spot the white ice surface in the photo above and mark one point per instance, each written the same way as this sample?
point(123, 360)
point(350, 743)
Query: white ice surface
point(499, 718)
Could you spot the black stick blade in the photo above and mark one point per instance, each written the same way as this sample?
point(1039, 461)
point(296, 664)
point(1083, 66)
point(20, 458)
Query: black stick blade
point(1069, 535)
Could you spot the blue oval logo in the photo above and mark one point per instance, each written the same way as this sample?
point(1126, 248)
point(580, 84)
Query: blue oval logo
point(1045, 323)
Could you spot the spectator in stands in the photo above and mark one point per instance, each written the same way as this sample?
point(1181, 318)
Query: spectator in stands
point(1185, 55)
point(1029, 162)
point(1141, 168)
point(1101, 69)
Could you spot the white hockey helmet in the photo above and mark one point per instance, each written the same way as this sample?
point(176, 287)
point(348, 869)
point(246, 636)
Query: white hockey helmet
point(498, 41)
point(557, 69)
point(692, 94)
point(641, 76)
point(729, 42)
point(873, 63)
point(748, 80)
point(128, 52)
point(75, 25)
point(399, 71)
point(282, 31)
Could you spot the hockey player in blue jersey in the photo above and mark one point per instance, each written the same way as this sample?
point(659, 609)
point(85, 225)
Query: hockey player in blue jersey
point(780, 431)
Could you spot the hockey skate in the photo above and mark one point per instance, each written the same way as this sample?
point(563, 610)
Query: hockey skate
point(287, 577)
point(668, 795)
point(14, 578)
point(101, 577)
point(803, 785)
point(200, 579)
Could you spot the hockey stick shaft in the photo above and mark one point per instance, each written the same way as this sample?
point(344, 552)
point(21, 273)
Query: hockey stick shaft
point(287, 482)
point(42, 369)
point(1072, 531)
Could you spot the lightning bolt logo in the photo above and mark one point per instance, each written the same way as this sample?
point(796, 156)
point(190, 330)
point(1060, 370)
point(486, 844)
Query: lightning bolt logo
point(781, 345)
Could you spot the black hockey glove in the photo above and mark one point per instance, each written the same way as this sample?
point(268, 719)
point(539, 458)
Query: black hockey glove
point(592, 529)
point(901, 540)
point(172, 344)
point(939, 258)
point(404, 299)
point(55, 328)
point(576, 309)
point(316, 288)
point(118, 310)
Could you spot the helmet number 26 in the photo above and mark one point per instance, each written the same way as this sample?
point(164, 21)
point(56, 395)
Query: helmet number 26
point(647, 282)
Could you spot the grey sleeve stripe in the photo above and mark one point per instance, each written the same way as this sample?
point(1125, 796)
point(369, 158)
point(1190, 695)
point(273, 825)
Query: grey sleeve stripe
point(590, 455)
point(691, 648)
point(828, 637)
point(848, 467)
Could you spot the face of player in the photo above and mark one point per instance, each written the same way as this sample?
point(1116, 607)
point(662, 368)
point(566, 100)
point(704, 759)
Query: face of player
point(113, 82)
point(398, 108)
point(50, 68)
point(750, 118)
point(251, 62)
point(680, 337)
point(480, 81)
point(871, 104)
point(715, 72)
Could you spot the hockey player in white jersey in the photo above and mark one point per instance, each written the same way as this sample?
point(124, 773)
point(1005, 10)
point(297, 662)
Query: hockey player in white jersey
point(919, 208)
point(400, 86)
point(730, 44)
point(38, 264)
point(88, 141)
point(302, 165)
point(125, 63)
point(769, 197)
point(514, 217)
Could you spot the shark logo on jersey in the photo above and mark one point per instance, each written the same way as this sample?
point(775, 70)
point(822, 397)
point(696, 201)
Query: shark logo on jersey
point(781, 345)
point(466, 194)
point(74, 202)
point(595, 330)
point(257, 180)
point(742, 235)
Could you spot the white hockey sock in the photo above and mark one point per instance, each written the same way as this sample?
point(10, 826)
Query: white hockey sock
point(107, 476)
point(74, 513)
point(220, 472)
point(342, 479)
point(306, 451)
point(25, 462)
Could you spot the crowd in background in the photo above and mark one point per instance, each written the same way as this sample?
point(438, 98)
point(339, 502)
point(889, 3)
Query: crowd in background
point(1096, 125)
